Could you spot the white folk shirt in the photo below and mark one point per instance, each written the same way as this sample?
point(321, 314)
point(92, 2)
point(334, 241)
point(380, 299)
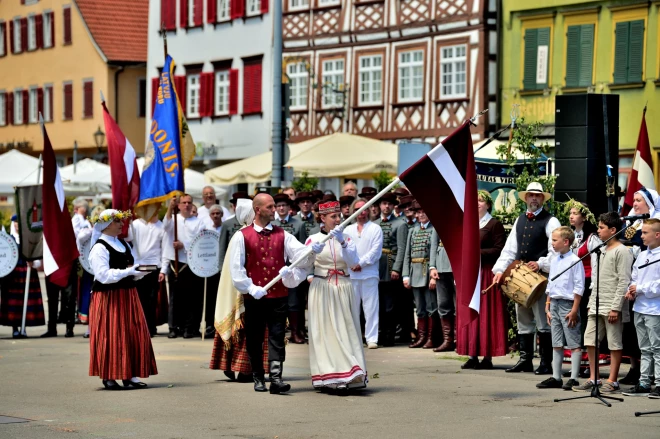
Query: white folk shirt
point(511, 247)
point(369, 245)
point(187, 229)
point(203, 214)
point(569, 283)
point(99, 258)
point(79, 222)
point(213, 227)
point(148, 241)
point(292, 250)
point(648, 283)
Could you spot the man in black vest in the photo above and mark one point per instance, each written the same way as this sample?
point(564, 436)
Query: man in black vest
point(530, 241)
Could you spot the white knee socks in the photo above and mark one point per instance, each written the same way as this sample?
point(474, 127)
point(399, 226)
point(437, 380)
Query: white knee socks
point(576, 357)
point(557, 357)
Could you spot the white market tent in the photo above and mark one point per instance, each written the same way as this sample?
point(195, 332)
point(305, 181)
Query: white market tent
point(86, 177)
point(17, 169)
point(336, 155)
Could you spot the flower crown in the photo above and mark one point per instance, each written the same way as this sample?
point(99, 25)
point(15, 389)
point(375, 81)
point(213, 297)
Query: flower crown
point(574, 204)
point(104, 218)
point(485, 195)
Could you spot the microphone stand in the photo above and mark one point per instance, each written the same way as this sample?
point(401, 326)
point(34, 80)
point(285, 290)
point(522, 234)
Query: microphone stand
point(595, 391)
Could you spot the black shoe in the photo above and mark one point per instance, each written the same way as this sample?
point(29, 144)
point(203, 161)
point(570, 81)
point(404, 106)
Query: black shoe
point(86, 335)
point(192, 334)
point(49, 333)
point(545, 352)
point(259, 382)
point(471, 363)
point(638, 390)
point(172, 334)
point(570, 384)
point(114, 386)
point(342, 390)
point(550, 383)
point(586, 373)
point(129, 383)
point(277, 386)
point(243, 378)
point(210, 334)
point(69, 333)
point(543, 370)
point(230, 374)
point(526, 342)
point(655, 394)
point(631, 378)
point(521, 366)
point(566, 374)
point(486, 364)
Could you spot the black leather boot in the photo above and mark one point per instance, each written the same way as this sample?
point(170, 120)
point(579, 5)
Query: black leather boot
point(69, 330)
point(545, 352)
point(259, 382)
point(52, 330)
point(526, 354)
point(276, 384)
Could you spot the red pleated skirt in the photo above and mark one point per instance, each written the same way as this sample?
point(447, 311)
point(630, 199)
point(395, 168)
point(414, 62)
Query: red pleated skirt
point(235, 359)
point(119, 341)
point(486, 336)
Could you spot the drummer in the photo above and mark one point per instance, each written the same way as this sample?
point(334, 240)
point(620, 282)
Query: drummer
point(530, 241)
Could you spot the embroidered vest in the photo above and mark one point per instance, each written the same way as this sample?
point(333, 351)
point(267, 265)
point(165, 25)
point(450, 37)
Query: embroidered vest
point(118, 261)
point(264, 256)
point(531, 237)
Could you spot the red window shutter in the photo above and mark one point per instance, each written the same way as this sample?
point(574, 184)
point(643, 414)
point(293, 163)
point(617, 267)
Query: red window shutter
point(180, 84)
point(10, 108)
point(237, 9)
point(211, 11)
point(88, 90)
point(264, 6)
point(183, 13)
point(168, 14)
point(206, 94)
point(11, 37)
point(67, 25)
point(198, 19)
point(26, 108)
point(39, 25)
point(233, 91)
point(40, 101)
point(155, 83)
point(210, 99)
point(252, 88)
point(24, 36)
point(52, 30)
point(68, 101)
point(50, 103)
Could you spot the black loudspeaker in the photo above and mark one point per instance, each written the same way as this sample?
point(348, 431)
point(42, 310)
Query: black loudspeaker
point(581, 157)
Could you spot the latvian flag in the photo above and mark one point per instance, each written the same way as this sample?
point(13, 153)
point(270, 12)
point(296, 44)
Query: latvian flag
point(444, 182)
point(642, 172)
point(124, 173)
point(60, 250)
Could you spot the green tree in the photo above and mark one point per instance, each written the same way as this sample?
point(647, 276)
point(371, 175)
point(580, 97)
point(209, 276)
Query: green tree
point(305, 183)
point(382, 179)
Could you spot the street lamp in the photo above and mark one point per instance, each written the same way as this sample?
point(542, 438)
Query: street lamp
point(99, 137)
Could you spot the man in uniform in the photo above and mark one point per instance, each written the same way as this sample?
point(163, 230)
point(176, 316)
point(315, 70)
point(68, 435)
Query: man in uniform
point(400, 192)
point(395, 236)
point(530, 241)
point(345, 202)
point(405, 301)
point(304, 201)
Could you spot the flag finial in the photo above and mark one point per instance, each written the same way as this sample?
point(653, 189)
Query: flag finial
point(102, 97)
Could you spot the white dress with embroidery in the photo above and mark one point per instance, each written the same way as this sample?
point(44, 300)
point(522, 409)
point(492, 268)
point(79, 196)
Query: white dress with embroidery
point(336, 354)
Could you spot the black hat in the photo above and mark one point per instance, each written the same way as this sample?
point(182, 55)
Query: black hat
point(390, 197)
point(328, 197)
point(368, 192)
point(238, 195)
point(300, 196)
point(401, 191)
point(346, 200)
point(317, 194)
point(279, 198)
point(406, 201)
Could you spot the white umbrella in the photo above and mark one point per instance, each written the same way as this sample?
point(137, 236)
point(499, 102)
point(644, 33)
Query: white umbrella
point(90, 177)
point(17, 169)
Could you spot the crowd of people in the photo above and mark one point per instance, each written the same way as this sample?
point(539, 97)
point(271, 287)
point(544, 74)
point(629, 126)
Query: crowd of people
point(385, 279)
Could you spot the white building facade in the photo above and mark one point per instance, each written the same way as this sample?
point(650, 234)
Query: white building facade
point(223, 53)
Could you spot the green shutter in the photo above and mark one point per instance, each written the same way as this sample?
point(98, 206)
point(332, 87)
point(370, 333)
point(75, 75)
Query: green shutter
point(621, 52)
point(573, 56)
point(544, 40)
point(636, 51)
point(531, 47)
point(586, 54)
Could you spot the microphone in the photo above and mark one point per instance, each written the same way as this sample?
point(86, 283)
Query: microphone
point(636, 217)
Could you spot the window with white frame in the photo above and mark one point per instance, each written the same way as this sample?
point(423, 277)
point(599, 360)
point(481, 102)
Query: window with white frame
point(411, 75)
point(222, 93)
point(328, 2)
point(47, 29)
point(3, 109)
point(253, 7)
point(298, 4)
point(333, 82)
point(297, 73)
point(32, 32)
point(193, 94)
point(48, 102)
point(224, 11)
point(18, 106)
point(371, 80)
point(33, 107)
point(191, 12)
point(453, 77)
point(17, 35)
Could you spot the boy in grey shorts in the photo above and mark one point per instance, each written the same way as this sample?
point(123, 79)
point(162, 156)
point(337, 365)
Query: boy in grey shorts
point(563, 308)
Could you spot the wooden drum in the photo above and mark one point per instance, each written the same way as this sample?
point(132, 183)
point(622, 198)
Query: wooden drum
point(522, 285)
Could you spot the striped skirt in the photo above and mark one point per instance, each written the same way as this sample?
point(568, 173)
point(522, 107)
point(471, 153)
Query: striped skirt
point(235, 359)
point(120, 344)
point(12, 295)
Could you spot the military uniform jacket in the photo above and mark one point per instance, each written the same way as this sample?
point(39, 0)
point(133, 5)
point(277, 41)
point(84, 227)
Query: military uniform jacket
point(439, 257)
point(309, 224)
point(293, 225)
point(229, 227)
point(395, 238)
point(418, 255)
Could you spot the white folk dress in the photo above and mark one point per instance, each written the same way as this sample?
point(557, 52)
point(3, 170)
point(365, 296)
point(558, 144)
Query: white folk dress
point(336, 354)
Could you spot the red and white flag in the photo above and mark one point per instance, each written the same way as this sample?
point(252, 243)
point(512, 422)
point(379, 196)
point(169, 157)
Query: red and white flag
point(444, 182)
point(642, 172)
point(60, 249)
point(125, 178)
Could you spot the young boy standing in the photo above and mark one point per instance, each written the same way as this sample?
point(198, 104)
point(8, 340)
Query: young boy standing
point(563, 308)
point(645, 291)
point(610, 285)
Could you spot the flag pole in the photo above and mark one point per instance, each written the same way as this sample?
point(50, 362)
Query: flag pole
point(346, 222)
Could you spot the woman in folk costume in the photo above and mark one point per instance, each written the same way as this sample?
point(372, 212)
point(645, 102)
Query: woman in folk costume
point(486, 335)
point(12, 293)
point(336, 354)
point(229, 345)
point(120, 343)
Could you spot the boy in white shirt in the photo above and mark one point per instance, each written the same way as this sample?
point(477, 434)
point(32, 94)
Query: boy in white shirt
point(563, 308)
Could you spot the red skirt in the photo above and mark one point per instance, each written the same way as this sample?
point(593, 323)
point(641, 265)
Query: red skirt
point(12, 298)
point(486, 336)
point(119, 341)
point(235, 359)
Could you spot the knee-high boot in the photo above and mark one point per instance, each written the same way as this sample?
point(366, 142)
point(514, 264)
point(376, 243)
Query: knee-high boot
point(526, 354)
point(545, 352)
